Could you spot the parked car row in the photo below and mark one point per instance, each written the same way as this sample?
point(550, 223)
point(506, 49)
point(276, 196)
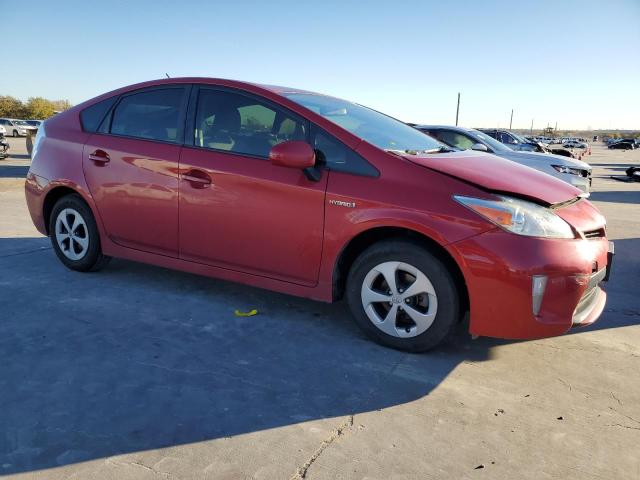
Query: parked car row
point(574, 172)
point(527, 144)
point(18, 128)
point(316, 196)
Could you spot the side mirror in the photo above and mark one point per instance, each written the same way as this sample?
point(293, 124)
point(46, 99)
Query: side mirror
point(293, 154)
point(479, 147)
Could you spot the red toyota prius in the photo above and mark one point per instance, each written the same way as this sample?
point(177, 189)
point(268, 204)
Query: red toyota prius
point(315, 196)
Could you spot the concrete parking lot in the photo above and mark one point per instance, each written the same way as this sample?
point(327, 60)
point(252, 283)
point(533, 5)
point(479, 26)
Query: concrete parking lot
point(141, 372)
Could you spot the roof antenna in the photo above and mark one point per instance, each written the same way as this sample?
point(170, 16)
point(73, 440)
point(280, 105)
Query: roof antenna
point(167, 75)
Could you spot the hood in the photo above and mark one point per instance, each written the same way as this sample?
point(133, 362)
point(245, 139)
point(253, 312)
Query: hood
point(498, 175)
point(544, 158)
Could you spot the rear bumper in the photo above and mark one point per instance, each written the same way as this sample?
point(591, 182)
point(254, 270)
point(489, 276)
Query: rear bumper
point(34, 189)
point(500, 268)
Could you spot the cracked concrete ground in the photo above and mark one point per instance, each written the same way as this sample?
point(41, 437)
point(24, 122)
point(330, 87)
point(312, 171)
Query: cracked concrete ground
point(138, 372)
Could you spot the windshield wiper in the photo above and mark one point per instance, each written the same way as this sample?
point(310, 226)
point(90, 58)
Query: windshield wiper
point(400, 152)
point(441, 149)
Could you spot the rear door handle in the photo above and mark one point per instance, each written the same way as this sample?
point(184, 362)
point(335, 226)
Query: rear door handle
point(99, 156)
point(197, 178)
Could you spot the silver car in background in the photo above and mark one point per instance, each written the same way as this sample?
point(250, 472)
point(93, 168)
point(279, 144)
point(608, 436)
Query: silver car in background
point(572, 171)
point(16, 128)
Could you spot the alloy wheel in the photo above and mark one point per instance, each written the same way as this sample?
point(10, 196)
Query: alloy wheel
point(399, 299)
point(72, 235)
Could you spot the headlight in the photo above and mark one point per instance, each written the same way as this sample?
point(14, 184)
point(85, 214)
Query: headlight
point(519, 216)
point(565, 169)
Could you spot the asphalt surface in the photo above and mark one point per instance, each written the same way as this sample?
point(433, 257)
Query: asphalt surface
point(141, 372)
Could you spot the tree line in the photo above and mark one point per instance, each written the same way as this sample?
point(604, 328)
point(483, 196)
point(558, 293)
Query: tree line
point(35, 108)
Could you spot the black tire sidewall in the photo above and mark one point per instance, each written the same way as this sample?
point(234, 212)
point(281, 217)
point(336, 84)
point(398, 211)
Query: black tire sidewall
point(94, 253)
point(448, 313)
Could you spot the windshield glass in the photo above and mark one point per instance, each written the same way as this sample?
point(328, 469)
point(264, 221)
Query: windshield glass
point(374, 127)
point(495, 145)
point(21, 122)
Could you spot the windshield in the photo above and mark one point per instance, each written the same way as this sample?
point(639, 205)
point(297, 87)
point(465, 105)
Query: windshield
point(374, 127)
point(21, 122)
point(495, 145)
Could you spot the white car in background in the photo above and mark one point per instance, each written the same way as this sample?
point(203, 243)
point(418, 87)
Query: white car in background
point(16, 128)
point(3, 131)
point(574, 144)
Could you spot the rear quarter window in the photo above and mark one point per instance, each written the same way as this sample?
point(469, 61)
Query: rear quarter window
point(151, 115)
point(91, 117)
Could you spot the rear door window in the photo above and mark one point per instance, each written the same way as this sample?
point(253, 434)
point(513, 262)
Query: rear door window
point(151, 115)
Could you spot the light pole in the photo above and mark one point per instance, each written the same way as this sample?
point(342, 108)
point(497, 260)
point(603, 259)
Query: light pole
point(511, 121)
point(458, 109)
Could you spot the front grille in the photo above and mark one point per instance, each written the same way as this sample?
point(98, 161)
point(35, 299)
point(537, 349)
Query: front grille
point(598, 233)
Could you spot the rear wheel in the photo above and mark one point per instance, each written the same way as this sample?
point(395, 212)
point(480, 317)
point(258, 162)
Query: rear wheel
point(402, 296)
point(74, 235)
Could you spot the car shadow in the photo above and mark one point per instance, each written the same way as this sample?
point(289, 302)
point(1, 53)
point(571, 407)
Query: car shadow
point(613, 196)
point(613, 165)
point(14, 171)
point(19, 156)
point(138, 357)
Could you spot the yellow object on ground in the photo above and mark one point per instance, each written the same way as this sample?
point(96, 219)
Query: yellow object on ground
point(246, 314)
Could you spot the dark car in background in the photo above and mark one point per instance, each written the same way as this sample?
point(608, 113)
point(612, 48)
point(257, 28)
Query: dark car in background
point(512, 140)
point(522, 144)
point(624, 144)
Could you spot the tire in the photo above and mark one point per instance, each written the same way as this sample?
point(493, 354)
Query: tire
point(81, 251)
point(437, 307)
point(15, 134)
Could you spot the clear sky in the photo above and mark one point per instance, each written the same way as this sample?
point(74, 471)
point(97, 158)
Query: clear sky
point(574, 62)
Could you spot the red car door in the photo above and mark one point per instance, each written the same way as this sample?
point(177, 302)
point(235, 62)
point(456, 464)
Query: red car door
point(132, 169)
point(239, 211)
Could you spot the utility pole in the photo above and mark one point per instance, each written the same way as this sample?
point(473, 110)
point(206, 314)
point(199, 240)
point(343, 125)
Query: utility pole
point(458, 109)
point(556, 129)
point(531, 129)
point(511, 121)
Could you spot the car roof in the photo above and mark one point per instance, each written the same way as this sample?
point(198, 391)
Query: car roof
point(222, 82)
point(275, 93)
point(278, 89)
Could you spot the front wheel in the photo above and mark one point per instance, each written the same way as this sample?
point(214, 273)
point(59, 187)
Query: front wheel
point(402, 296)
point(74, 235)
point(15, 133)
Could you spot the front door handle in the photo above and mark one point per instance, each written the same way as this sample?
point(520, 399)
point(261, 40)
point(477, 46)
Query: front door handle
point(100, 157)
point(197, 178)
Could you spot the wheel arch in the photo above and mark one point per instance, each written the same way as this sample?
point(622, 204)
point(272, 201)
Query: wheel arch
point(52, 197)
point(366, 238)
